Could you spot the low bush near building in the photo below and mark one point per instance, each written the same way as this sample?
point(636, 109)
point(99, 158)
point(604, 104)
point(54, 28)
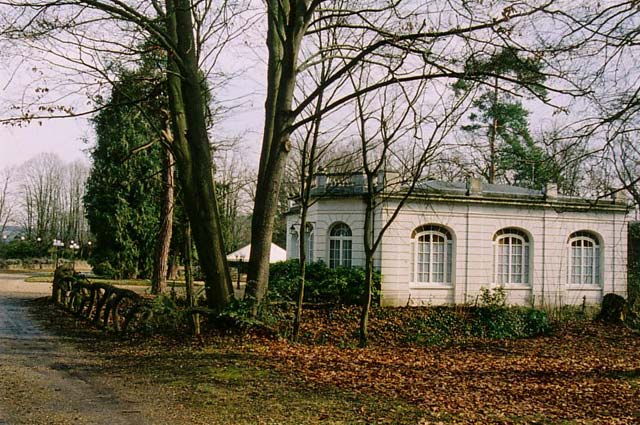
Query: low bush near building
point(343, 285)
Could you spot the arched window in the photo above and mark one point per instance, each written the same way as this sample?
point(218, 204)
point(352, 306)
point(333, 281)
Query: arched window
point(584, 259)
point(432, 255)
point(340, 246)
point(511, 257)
point(294, 249)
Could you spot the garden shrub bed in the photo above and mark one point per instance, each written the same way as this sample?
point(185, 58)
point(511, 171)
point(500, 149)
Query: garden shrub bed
point(342, 285)
point(441, 325)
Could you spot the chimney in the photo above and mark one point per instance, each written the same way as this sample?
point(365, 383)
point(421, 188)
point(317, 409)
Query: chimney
point(620, 197)
point(474, 186)
point(393, 180)
point(551, 191)
point(321, 181)
point(380, 180)
point(358, 181)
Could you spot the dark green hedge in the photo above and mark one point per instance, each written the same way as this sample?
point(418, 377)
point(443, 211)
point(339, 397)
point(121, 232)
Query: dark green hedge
point(343, 285)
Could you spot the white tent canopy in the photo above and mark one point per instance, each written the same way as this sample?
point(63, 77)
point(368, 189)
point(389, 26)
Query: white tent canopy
point(242, 254)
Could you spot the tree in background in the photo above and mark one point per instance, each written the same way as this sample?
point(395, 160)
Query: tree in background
point(6, 206)
point(74, 225)
point(124, 188)
point(510, 153)
point(48, 200)
point(40, 188)
point(235, 184)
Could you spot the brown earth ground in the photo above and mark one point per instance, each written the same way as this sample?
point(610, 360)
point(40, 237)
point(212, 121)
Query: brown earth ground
point(56, 370)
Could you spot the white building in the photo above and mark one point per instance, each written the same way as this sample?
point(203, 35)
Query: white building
point(452, 239)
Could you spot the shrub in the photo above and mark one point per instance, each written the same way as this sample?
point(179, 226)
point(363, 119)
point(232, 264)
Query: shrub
point(105, 269)
point(613, 308)
point(22, 249)
point(237, 318)
point(343, 285)
point(165, 316)
point(632, 316)
point(441, 325)
point(491, 319)
point(493, 298)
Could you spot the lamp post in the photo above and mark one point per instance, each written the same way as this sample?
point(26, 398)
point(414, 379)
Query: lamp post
point(238, 271)
point(74, 247)
point(57, 244)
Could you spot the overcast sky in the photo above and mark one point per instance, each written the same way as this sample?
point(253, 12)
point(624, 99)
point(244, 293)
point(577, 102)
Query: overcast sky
point(63, 137)
point(72, 138)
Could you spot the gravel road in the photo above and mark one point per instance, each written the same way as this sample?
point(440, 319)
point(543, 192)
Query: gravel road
point(43, 378)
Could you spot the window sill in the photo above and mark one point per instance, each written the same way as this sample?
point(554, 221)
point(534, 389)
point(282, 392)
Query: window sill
point(420, 285)
point(514, 286)
point(584, 287)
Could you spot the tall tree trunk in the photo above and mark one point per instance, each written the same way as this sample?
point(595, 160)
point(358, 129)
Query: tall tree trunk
point(369, 250)
point(188, 277)
point(193, 154)
point(161, 257)
point(493, 135)
point(172, 272)
point(287, 23)
point(366, 300)
point(303, 271)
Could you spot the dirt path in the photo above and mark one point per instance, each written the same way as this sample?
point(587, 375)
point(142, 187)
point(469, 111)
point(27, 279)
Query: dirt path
point(43, 379)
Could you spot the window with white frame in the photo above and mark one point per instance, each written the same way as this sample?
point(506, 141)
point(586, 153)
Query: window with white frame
point(432, 255)
point(511, 257)
point(340, 246)
point(584, 259)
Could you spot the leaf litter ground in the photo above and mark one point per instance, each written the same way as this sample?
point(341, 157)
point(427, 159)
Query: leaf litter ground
point(583, 373)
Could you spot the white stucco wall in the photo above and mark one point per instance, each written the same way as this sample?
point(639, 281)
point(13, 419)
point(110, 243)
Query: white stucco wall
point(473, 226)
point(325, 213)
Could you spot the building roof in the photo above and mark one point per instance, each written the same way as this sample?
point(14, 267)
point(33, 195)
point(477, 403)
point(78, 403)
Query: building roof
point(487, 188)
point(473, 190)
point(242, 254)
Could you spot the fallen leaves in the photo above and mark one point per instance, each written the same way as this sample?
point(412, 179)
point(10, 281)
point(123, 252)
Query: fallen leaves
point(583, 375)
point(586, 373)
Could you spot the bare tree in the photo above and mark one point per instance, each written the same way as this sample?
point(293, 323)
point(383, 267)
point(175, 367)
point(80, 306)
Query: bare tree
point(597, 45)
point(314, 149)
point(40, 189)
point(429, 42)
point(49, 195)
point(397, 128)
point(6, 206)
point(88, 34)
point(235, 185)
point(74, 224)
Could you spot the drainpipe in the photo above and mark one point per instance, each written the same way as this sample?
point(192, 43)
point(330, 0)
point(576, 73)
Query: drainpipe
point(613, 260)
point(544, 253)
point(466, 257)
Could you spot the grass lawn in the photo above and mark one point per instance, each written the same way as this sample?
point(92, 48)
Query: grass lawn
point(583, 373)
